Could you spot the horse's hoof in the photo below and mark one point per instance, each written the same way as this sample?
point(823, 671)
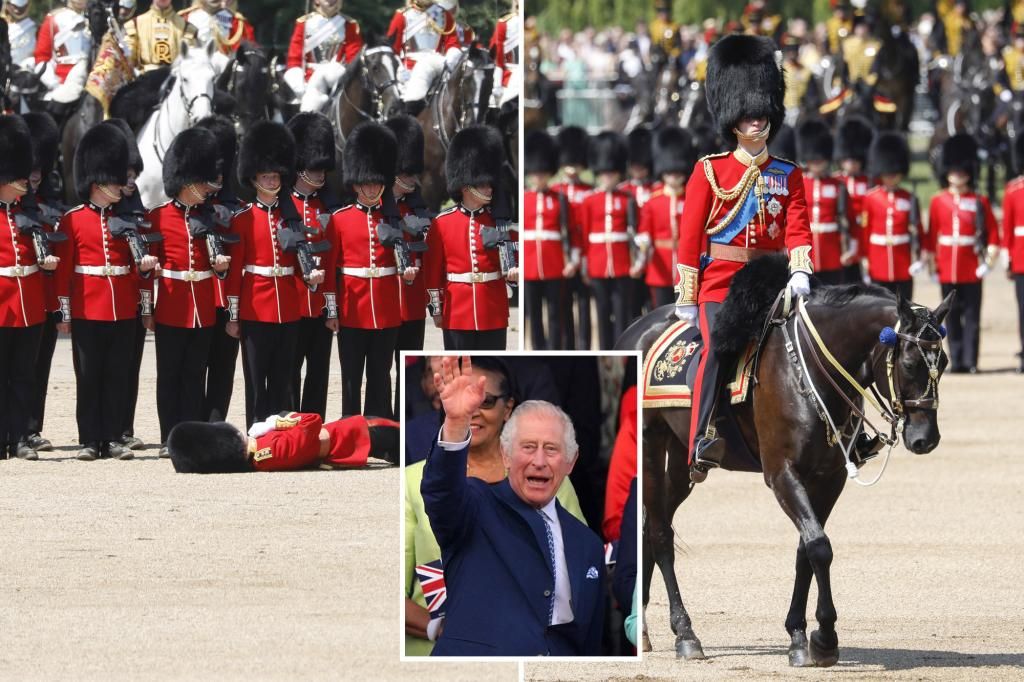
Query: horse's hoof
point(824, 654)
point(646, 643)
point(690, 650)
point(799, 655)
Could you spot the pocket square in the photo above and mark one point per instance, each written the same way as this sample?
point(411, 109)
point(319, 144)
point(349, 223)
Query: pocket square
point(591, 573)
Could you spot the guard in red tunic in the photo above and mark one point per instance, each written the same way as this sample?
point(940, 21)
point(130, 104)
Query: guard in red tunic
point(413, 295)
point(827, 202)
point(740, 206)
point(640, 182)
point(186, 312)
point(573, 142)
point(368, 283)
point(853, 140)
point(98, 289)
point(466, 283)
point(263, 301)
point(608, 220)
point(891, 218)
point(546, 247)
point(323, 42)
point(964, 237)
point(661, 215)
point(423, 35)
point(22, 304)
point(286, 442)
point(45, 186)
point(506, 44)
point(314, 142)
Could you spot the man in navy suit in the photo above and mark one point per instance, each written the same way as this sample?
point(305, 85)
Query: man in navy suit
point(523, 576)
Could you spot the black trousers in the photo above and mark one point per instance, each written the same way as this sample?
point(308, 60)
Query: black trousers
point(19, 347)
point(613, 297)
point(133, 389)
point(371, 350)
point(903, 288)
point(268, 353)
point(831, 276)
point(181, 355)
point(963, 324)
point(852, 274)
point(464, 339)
point(44, 360)
point(1018, 283)
point(104, 364)
point(707, 384)
point(662, 296)
point(546, 329)
point(640, 297)
point(580, 292)
point(312, 348)
point(410, 337)
point(220, 371)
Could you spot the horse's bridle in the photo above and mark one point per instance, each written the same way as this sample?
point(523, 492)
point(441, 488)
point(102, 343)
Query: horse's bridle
point(189, 104)
point(929, 399)
point(439, 127)
point(375, 89)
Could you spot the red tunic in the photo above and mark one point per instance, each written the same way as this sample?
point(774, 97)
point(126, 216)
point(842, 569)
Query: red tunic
point(856, 188)
point(96, 275)
point(641, 191)
point(952, 235)
point(413, 296)
point(575, 192)
point(886, 221)
point(182, 299)
point(1013, 224)
point(823, 211)
point(368, 279)
point(299, 56)
point(501, 53)
point(787, 228)
point(457, 253)
point(605, 231)
point(544, 243)
point(314, 303)
point(45, 50)
point(267, 292)
point(660, 218)
point(22, 301)
point(396, 34)
point(295, 443)
point(240, 26)
point(621, 467)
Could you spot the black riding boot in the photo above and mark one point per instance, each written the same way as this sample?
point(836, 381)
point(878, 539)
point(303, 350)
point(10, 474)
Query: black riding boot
point(708, 448)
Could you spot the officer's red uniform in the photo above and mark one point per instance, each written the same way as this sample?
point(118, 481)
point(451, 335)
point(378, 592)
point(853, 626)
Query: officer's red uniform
point(186, 290)
point(240, 28)
point(22, 295)
point(952, 235)
point(309, 27)
point(295, 443)
point(449, 38)
point(823, 211)
point(545, 235)
point(64, 26)
point(604, 230)
point(890, 225)
point(369, 281)
point(660, 219)
point(505, 51)
point(261, 279)
point(315, 303)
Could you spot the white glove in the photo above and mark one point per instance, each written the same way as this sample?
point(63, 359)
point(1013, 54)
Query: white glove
point(452, 57)
point(981, 270)
point(915, 267)
point(688, 314)
point(295, 78)
point(264, 427)
point(799, 284)
point(1004, 259)
point(49, 77)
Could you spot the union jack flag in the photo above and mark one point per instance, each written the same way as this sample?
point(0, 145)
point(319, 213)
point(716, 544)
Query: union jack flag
point(431, 578)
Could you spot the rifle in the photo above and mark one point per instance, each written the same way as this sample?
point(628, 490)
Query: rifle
point(127, 223)
point(291, 235)
point(415, 225)
point(31, 221)
point(500, 237)
point(210, 222)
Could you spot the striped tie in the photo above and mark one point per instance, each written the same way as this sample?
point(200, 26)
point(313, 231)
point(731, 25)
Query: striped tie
point(551, 555)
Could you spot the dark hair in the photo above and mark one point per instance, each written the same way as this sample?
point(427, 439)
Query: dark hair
point(492, 364)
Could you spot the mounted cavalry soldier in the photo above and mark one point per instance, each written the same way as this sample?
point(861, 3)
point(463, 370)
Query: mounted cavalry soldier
point(423, 36)
point(828, 205)
point(739, 206)
point(323, 42)
point(63, 45)
point(213, 20)
point(21, 32)
point(964, 237)
point(156, 36)
point(507, 44)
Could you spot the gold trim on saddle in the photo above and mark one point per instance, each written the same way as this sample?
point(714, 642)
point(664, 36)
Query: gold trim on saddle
point(687, 286)
point(800, 260)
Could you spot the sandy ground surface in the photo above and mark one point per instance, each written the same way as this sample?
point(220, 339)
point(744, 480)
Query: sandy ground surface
point(927, 572)
point(125, 570)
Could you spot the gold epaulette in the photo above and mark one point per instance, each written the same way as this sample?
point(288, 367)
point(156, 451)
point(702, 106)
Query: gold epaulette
point(510, 15)
point(714, 156)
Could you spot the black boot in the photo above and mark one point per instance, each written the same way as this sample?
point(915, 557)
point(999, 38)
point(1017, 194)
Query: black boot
point(866, 448)
point(707, 455)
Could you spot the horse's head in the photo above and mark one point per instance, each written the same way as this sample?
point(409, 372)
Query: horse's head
point(248, 79)
point(908, 367)
point(25, 92)
point(380, 73)
point(194, 75)
point(471, 82)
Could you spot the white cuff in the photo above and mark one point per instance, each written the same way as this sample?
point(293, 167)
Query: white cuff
point(264, 427)
point(434, 627)
point(452, 446)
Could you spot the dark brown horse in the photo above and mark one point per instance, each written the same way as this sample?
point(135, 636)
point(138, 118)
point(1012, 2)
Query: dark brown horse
point(786, 429)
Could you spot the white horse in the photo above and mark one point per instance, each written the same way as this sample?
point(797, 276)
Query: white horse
point(188, 98)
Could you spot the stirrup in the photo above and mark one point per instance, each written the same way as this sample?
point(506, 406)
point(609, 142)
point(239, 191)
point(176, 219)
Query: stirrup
point(866, 448)
point(707, 455)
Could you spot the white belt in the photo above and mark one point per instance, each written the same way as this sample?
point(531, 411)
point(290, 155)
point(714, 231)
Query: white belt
point(18, 270)
point(473, 277)
point(883, 240)
point(819, 228)
point(543, 235)
point(369, 273)
point(606, 237)
point(950, 240)
point(187, 275)
point(1018, 231)
point(103, 270)
point(267, 271)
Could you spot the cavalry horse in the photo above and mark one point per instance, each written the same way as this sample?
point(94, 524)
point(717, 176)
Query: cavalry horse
point(460, 99)
point(248, 80)
point(814, 367)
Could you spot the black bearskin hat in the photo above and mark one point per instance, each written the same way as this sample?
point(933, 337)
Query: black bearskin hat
point(101, 158)
point(572, 147)
point(608, 153)
point(268, 147)
point(15, 149)
point(134, 157)
point(853, 139)
point(370, 156)
point(227, 139)
point(45, 140)
point(959, 152)
point(314, 141)
point(474, 158)
point(889, 154)
point(744, 80)
point(541, 153)
point(813, 141)
point(409, 134)
point(639, 144)
point(204, 448)
point(194, 157)
point(674, 152)
point(783, 145)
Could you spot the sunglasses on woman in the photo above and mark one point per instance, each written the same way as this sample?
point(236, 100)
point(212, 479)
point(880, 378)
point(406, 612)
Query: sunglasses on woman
point(491, 400)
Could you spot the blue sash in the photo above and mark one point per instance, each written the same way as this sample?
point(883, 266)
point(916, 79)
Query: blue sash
point(775, 174)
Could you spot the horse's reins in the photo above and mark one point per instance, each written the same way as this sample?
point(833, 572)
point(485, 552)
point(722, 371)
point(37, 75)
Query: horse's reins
point(158, 148)
point(376, 89)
